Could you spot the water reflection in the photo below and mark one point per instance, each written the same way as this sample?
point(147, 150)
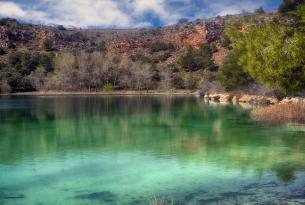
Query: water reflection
point(155, 130)
point(179, 126)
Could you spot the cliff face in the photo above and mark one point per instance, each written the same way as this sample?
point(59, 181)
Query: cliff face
point(181, 36)
point(18, 36)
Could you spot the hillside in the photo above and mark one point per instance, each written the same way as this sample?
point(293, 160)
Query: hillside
point(20, 36)
point(180, 56)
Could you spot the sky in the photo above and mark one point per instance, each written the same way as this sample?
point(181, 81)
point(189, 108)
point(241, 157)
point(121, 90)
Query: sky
point(124, 13)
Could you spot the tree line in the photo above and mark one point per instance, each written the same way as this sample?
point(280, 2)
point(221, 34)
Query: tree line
point(93, 71)
point(74, 71)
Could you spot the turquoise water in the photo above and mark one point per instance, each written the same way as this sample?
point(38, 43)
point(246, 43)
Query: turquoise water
point(127, 150)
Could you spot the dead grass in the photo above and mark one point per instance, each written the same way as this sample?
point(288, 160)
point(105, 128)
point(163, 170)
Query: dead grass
point(156, 201)
point(293, 112)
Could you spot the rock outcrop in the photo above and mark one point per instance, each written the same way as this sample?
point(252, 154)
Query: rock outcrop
point(248, 99)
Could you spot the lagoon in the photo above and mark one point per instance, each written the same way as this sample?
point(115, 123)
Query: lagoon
point(129, 149)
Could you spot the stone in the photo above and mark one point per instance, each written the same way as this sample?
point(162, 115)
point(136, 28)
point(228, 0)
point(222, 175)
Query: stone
point(257, 100)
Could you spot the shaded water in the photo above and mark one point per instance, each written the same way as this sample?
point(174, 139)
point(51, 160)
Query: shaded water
point(126, 150)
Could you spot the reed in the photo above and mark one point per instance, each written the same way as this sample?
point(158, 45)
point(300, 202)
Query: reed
point(293, 112)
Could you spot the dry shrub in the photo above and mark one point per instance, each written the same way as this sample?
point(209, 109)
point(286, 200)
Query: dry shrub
point(293, 112)
point(5, 87)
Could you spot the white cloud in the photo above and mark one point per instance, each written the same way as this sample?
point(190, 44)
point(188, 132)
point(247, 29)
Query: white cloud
point(226, 7)
point(10, 9)
point(78, 13)
point(156, 6)
point(160, 8)
point(87, 13)
point(122, 13)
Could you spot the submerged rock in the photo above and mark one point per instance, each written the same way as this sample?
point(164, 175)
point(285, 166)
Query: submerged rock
point(11, 196)
point(104, 196)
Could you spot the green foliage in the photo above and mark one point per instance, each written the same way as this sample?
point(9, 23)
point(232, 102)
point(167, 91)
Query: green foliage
point(271, 53)
point(196, 59)
point(142, 58)
point(21, 64)
point(225, 41)
point(48, 45)
point(177, 82)
point(191, 81)
point(164, 57)
point(161, 46)
point(301, 14)
point(108, 87)
point(47, 62)
point(2, 51)
point(231, 75)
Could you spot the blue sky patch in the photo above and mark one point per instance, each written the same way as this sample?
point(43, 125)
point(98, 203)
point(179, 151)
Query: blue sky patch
point(124, 13)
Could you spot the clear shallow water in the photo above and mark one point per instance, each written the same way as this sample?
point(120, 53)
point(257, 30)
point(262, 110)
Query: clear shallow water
point(126, 150)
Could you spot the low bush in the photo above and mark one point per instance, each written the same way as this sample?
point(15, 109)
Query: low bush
point(161, 46)
point(2, 51)
point(48, 45)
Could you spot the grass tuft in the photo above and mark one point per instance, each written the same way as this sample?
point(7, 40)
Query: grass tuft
point(156, 201)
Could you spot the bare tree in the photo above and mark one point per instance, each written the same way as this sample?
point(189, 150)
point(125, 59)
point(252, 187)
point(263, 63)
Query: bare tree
point(98, 69)
point(141, 76)
point(166, 79)
point(85, 64)
point(38, 78)
point(66, 74)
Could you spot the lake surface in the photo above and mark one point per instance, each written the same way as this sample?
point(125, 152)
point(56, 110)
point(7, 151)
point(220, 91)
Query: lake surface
point(127, 150)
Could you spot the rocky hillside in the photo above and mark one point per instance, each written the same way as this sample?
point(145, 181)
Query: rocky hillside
point(19, 36)
point(182, 56)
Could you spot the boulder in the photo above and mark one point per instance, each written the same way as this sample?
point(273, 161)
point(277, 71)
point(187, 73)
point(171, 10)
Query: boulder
point(225, 98)
point(257, 100)
point(291, 100)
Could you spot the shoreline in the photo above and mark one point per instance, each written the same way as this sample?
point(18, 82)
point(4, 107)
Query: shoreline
point(264, 108)
point(113, 92)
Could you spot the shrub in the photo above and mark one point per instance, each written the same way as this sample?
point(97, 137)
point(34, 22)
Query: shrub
point(164, 57)
point(213, 47)
point(225, 41)
point(47, 62)
point(101, 46)
point(2, 51)
point(293, 112)
point(191, 81)
point(196, 59)
point(231, 75)
point(48, 45)
point(177, 82)
point(108, 87)
point(161, 46)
